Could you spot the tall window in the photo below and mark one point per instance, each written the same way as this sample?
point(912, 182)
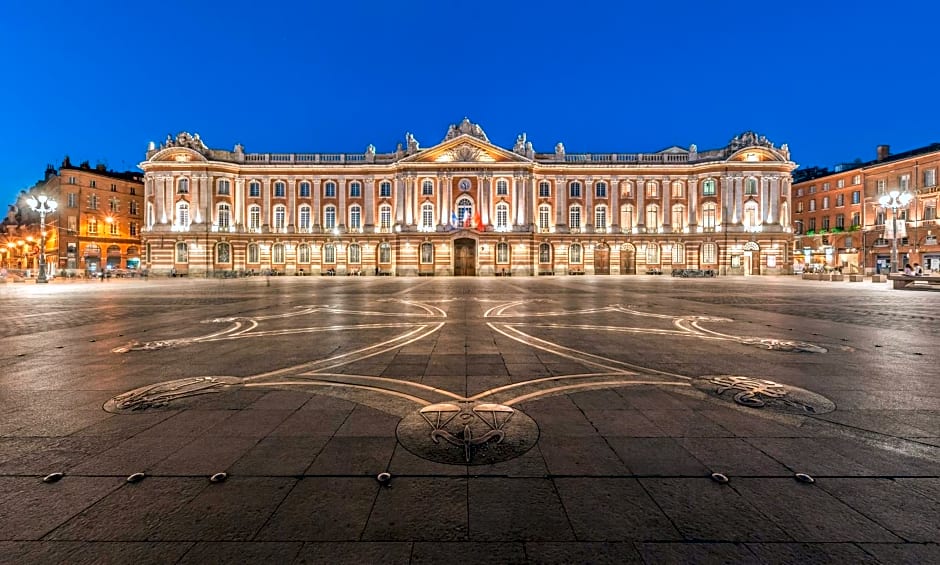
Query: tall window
point(280, 189)
point(600, 189)
point(114, 205)
point(545, 213)
point(280, 217)
point(182, 252)
point(545, 253)
point(750, 215)
point(329, 189)
point(182, 214)
point(710, 253)
point(385, 189)
point(92, 226)
point(354, 254)
point(329, 217)
point(113, 228)
point(182, 186)
point(385, 253)
point(574, 189)
point(254, 189)
point(708, 187)
point(303, 218)
point(709, 215)
point(73, 200)
point(545, 189)
point(574, 217)
point(502, 253)
point(652, 217)
point(427, 187)
point(678, 254)
point(678, 189)
point(812, 205)
point(254, 253)
point(427, 253)
point(626, 190)
point(427, 215)
point(652, 254)
point(355, 217)
point(305, 189)
point(385, 217)
point(652, 189)
point(355, 189)
point(856, 196)
point(502, 216)
point(329, 253)
point(223, 252)
point(574, 254)
point(678, 217)
point(825, 203)
point(840, 200)
point(464, 211)
point(303, 253)
point(750, 186)
point(600, 218)
point(93, 201)
point(502, 187)
point(224, 187)
point(626, 218)
point(254, 218)
point(930, 177)
point(277, 253)
point(840, 221)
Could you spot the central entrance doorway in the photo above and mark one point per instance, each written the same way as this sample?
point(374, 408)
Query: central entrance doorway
point(465, 257)
point(602, 259)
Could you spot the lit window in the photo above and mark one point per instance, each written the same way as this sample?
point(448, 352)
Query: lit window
point(224, 187)
point(354, 255)
point(574, 217)
point(277, 253)
point(280, 217)
point(427, 253)
point(709, 215)
point(708, 187)
point(574, 254)
point(182, 252)
point(652, 189)
point(678, 189)
point(502, 253)
point(652, 217)
point(254, 254)
point(355, 217)
point(626, 217)
point(329, 217)
point(678, 217)
point(545, 253)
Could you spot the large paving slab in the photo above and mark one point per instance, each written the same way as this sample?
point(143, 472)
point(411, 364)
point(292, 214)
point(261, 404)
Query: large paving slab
point(532, 420)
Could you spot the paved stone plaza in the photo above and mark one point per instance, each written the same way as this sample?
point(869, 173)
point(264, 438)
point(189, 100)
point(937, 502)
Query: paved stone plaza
point(521, 420)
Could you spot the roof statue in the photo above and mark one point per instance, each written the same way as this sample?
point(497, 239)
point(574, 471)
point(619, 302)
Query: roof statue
point(412, 143)
point(183, 139)
point(749, 139)
point(465, 127)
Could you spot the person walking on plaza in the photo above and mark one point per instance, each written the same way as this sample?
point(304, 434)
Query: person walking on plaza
point(908, 270)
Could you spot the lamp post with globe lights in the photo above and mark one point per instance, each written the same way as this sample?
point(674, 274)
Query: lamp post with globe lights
point(895, 200)
point(44, 205)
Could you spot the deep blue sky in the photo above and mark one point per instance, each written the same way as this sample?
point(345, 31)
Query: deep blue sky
point(98, 80)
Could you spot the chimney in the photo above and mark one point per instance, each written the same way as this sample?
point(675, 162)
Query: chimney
point(884, 151)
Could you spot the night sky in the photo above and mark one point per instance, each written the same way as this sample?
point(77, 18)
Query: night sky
point(98, 80)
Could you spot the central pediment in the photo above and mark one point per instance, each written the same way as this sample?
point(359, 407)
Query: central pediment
point(465, 148)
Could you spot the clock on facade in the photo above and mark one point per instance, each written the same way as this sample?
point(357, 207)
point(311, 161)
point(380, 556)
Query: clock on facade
point(464, 184)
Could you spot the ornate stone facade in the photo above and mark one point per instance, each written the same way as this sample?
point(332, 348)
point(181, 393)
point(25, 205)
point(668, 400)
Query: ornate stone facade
point(468, 207)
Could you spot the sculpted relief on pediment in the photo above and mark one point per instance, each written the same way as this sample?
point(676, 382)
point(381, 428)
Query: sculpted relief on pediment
point(466, 152)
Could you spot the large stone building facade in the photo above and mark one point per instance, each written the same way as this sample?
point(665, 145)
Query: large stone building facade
point(467, 207)
point(839, 223)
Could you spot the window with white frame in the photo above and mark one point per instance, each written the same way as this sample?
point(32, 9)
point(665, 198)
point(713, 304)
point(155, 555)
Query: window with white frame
point(751, 215)
point(678, 254)
point(92, 226)
point(277, 253)
point(182, 252)
point(114, 228)
point(502, 253)
point(224, 187)
point(254, 189)
point(626, 189)
point(354, 254)
point(464, 211)
point(904, 182)
point(678, 217)
point(280, 217)
point(709, 215)
point(812, 205)
point(223, 252)
point(329, 253)
point(427, 216)
point(545, 214)
point(385, 217)
point(182, 186)
point(750, 186)
point(545, 189)
point(880, 185)
point(182, 214)
point(329, 189)
point(600, 189)
point(545, 253)
point(355, 189)
point(385, 253)
point(254, 253)
point(280, 189)
point(678, 189)
point(502, 216)
point(574, 254)
point(627, 217)
point(600, 218)
point(825, 186)
point(652, 217)
point(574, 189)
point(303, 253)
point(652, 254)
point(114, 204)
point(305, 189)
point(385, 189)
point(652, 189)
point(710, 253)
point(840, 183)
point(303, 218)
point(427, 187)
point(502, 187)
point(930, 177)
point(254, 218)
point(825, 203)
point(708, 187)
point(329, 217)
point(355, 217)
point(574, 217)
point(857, 179)
point(427, 253)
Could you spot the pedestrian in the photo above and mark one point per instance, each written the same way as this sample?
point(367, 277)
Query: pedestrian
point(918, 270)
point(908, 270)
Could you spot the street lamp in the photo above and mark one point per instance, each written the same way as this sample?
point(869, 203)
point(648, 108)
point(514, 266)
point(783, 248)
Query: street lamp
point(44, 205)
point(895, 199)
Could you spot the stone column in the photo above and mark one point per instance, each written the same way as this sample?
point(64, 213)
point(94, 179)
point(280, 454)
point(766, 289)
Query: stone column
point(317, 212)
point(774, 205)
point(641, 204)
point(267, 217)
point(561, 204)
point(727, 200)
point(368, 222)
point(614, 206)
point(341, 189)
point(588, 221)
point(399, 201)
point(239, 198)
point(291, 204)
point(738, 199)
point(667, 204)
point(486, 200)
point(410, 201)
point(693, 203)
point(159, 200)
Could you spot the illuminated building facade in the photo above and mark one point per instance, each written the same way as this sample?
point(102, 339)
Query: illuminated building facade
point(839, 223)
point(467, 207)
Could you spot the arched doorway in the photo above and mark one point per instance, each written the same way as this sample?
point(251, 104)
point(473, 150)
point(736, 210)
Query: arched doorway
point(627, 259)
point(114, 258)
point(751, 259)
point(465, 257)
point(601, 259)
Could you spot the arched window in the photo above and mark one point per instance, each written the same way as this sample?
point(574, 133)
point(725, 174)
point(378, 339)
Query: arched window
point(678, 189)
point(708, 187)
point(626, 189)
point(545, 189)
point(600, 189)
point(545, 215)
point(427, 187)
point(182, 186)
point(710, 253)
point(750, 186)
point(465, 211)
point(355, 217)
point(545, 253)
point(254, 217)
point(329, 217)
point(678, 217)
point(678, 254)
point(574, 217)
point(280, 189)
point(652, 217)
point(223, 216)
point(502, 216)
point(385, 217)
point(254, 253)
point(427, 253)
point(223, 252)
point(303, 253)
point(574, 189)
point(385, 189)
point(709, 215)
point(303, 218)
point(182, 252)
point(355, 254)
point(277, 253)
point(502, 253)
point(427, 216)
point(355, 189)
point(254, 189)
point(329, 189)
point(305, 189)
point(329, 253)
point(652, 189)
point(502, 187)
point(182, 214)
point(652, 254)
point(280, 217)
point(385, 253)
point(600, 218)
point(574, 254)
point(224, 187)
point(627, 218)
